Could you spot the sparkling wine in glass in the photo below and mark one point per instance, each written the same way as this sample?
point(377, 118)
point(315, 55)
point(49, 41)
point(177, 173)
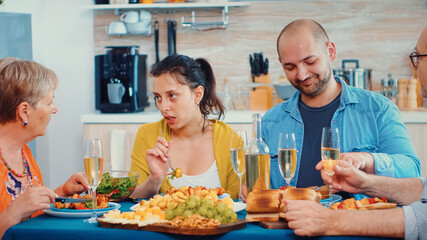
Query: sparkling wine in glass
point(93, 162)
point(237, 150)
point(287, 156)
point(330, 152)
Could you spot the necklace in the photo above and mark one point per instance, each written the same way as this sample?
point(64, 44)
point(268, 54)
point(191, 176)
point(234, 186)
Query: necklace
point(24, 161)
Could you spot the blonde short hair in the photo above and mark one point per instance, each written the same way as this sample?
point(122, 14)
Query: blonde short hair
point(22, 81)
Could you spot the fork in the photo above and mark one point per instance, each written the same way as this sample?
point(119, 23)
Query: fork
point(169, 160)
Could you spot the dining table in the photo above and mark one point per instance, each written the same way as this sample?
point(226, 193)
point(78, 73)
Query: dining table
point(49, 227)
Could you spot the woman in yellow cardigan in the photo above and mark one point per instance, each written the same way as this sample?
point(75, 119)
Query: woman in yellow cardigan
point(184, 92)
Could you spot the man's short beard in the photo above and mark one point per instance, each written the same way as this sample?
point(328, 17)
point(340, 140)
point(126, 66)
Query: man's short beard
point(318, 88)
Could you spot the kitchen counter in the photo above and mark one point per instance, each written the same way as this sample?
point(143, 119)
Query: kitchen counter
point(109, 128)
point(232, 117)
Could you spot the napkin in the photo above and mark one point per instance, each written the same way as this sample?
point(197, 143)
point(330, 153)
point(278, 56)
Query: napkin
point(118, 149)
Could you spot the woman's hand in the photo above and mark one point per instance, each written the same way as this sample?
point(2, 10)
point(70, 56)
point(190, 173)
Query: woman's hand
point(77, 183)
point(157, 158)
point(32, 200)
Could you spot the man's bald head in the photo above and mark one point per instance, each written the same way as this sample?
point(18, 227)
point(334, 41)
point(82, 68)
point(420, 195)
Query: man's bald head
point(423, 38)
point(311, 26)
point(421, 48)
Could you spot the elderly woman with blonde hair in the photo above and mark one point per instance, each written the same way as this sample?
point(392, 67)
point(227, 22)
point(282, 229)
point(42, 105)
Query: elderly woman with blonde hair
point(26, 105)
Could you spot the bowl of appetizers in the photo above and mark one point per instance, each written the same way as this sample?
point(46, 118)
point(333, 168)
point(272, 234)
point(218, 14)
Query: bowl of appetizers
point(118, 185)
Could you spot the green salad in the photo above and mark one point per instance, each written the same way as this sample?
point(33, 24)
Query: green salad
point(117, 189)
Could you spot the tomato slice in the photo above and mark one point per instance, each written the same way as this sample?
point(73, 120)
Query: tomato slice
point(371, 200)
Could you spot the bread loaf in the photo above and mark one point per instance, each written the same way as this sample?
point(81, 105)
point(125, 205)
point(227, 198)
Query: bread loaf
point(301, 194)
point(263, 201)
point(324, 191)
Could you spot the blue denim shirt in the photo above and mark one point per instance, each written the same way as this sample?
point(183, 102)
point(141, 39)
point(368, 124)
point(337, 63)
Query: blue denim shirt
point(367, 122)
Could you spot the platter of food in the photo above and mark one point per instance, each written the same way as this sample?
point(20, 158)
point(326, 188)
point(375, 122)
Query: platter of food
point(169, 228)
point(363, 204)
point(76, 213)
point(188, 211)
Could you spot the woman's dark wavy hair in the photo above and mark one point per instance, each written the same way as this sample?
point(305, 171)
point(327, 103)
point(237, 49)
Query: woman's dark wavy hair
point(193, 73)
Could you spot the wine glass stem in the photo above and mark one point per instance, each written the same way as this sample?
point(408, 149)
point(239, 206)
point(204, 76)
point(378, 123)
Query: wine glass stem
point(240, 188)
point(330, 195)
point(93, 190)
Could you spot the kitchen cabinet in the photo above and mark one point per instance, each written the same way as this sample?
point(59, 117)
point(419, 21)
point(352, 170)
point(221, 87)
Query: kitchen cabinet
point(418, 135)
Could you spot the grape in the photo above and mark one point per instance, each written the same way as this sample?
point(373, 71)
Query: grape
point(220, 208)
point(172, 206)
point(228, 212)
point(204, 201)
point(192, 198)
point(203, 207)
point(203, 211)
point(198, 201)
point(180, 209)
point(187, 213)
point(210, 214)
point(191, 204)
point(209, 204)
point(219, 218)
point(234, 217)
point(169, 214)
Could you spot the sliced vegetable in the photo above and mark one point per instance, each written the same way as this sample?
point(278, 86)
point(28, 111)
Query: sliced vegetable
point(116, 188)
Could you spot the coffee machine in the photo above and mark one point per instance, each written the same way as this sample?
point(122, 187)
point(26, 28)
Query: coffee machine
point(121, 80)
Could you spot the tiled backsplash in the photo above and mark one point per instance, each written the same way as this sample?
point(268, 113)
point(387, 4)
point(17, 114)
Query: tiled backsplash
point(379, 33)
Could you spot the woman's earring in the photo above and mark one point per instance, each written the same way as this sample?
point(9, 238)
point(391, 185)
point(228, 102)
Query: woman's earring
point(25, 123)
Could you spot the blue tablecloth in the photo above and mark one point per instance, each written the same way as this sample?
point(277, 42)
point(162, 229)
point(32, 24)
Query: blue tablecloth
point(48, 227)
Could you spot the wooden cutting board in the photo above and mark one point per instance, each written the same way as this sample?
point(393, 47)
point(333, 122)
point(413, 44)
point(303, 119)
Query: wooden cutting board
point(281, 224)
point(261, 98)
point(261, 219)
point(167, 228)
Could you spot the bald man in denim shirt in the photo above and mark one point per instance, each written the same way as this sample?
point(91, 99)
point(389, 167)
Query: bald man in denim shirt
point(308, 218)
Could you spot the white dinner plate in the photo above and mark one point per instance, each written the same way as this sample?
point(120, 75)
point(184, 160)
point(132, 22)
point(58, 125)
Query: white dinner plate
point(239, 206)
point(81, 213)
point(335, 198)
point(133, 208)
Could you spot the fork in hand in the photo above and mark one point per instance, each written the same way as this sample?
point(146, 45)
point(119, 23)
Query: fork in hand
point(169, 160)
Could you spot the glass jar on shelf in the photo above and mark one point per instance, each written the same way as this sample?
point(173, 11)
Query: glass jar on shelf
point(393, 86)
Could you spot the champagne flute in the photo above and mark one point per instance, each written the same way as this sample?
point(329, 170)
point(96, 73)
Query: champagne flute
point(237, 150)
point(330, 151)
point(287, 158)
point(93, 167)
